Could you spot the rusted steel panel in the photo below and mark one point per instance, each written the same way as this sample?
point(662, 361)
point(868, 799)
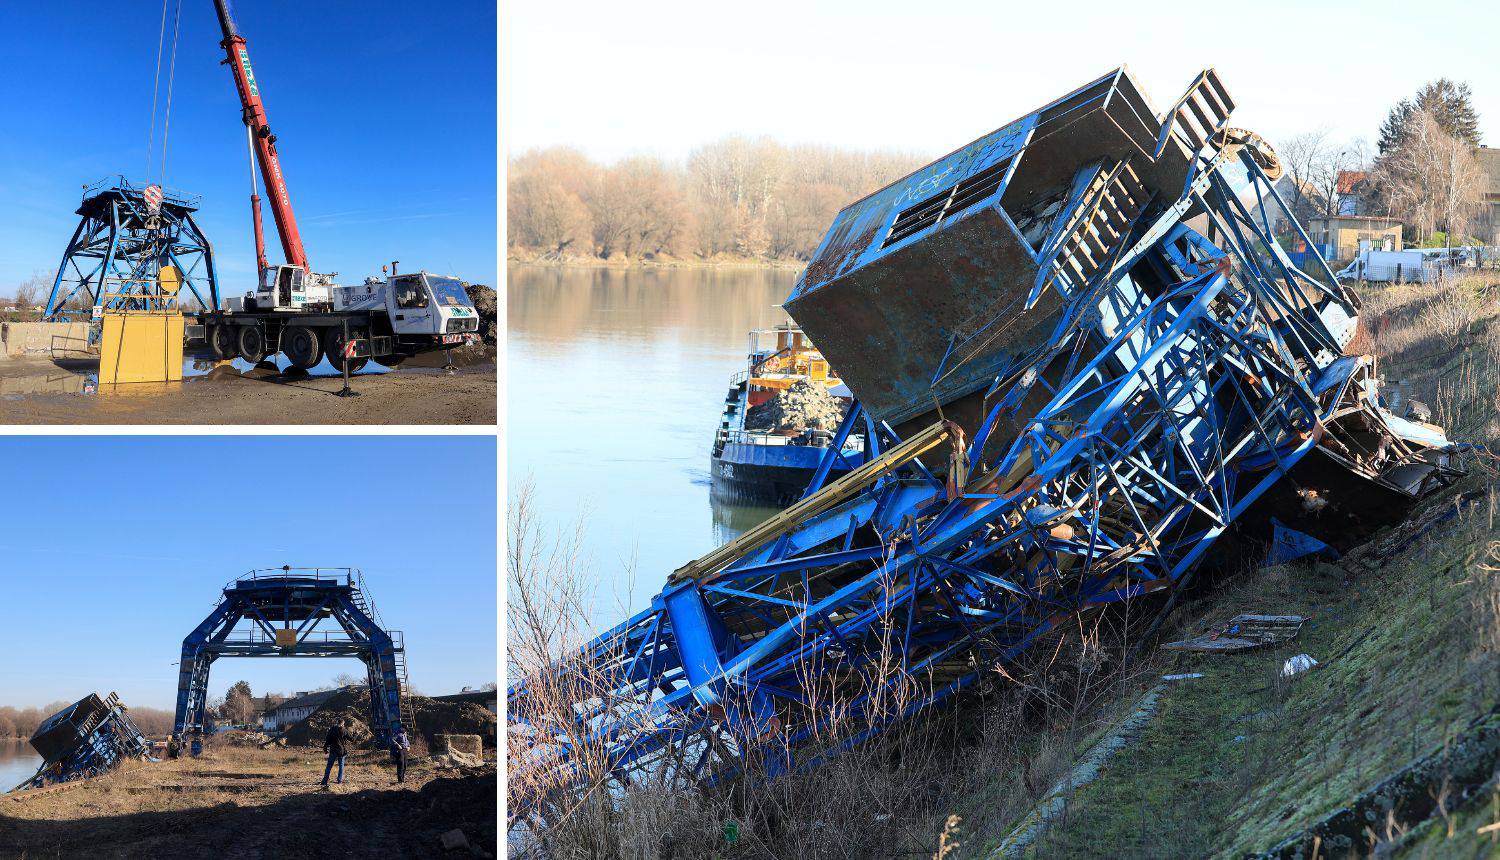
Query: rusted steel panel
point(917, 292)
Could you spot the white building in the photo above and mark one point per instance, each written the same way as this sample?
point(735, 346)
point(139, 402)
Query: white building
point(295, 709)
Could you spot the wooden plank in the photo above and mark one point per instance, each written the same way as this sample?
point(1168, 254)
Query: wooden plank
point(825, 499)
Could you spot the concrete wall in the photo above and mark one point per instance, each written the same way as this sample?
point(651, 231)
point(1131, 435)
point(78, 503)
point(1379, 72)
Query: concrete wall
point(45, 339)
point(463, 744)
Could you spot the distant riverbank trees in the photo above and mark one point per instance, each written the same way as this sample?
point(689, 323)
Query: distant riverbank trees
point(21, 723)
point(736, 198)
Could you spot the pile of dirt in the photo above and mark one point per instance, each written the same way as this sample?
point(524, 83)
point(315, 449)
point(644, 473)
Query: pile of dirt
point(437, 717)
point(350, 706)
point(433, 717)
point(804, 406)
point(488, 305)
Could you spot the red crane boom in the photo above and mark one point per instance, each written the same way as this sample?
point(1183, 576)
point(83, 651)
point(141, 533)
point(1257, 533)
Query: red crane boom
point(263, 142)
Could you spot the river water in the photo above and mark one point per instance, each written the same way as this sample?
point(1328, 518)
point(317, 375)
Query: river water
point(614, 386)
point(17, 761)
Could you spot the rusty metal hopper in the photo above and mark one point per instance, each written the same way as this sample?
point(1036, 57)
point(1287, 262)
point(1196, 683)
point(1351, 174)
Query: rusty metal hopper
point(923, 291)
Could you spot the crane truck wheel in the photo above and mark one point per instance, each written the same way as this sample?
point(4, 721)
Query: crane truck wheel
point(300, 346)
point(221, 341)
point(252, 343)
point(333, 348)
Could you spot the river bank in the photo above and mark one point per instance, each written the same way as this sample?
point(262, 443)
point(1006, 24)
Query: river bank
point(515, 258)
point(249, 802)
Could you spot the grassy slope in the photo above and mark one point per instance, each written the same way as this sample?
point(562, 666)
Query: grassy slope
point(1240, 759)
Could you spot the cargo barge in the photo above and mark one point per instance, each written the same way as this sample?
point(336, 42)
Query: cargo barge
point(779, 421)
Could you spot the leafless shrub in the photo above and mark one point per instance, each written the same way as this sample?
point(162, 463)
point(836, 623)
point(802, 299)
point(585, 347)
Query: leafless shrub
point(860, 802)
point(1486, 600)
point(1452, 314)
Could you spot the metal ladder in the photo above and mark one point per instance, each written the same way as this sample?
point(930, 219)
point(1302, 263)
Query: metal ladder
point(1097, 228)
point(398, 651)
point(1201, 113)
point(408, 715)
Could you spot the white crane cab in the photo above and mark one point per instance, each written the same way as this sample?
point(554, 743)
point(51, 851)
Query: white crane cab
point(287, 289)
point(418, 303)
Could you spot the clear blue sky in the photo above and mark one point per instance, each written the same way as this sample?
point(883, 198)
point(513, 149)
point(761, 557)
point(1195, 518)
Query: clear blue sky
point(384, 110)
point(664, 76)
point(115, 548)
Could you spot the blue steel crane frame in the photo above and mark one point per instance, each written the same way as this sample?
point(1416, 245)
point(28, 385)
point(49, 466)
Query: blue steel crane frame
point(1167, 413)
point(294, 601)
point(120, 246)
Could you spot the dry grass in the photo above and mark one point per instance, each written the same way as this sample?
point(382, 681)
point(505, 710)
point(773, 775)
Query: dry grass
point(1486, 598)
point(249, 802)
point(1440, 343)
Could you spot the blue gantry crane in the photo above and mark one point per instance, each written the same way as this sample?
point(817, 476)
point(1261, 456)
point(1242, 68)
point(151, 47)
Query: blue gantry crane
point(133, 242)
point(295, 612)
point(1084, 364)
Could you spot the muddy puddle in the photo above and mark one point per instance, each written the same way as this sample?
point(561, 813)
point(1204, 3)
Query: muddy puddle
point(25, 377)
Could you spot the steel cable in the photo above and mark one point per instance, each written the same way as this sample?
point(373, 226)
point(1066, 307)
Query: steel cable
point(156, 88)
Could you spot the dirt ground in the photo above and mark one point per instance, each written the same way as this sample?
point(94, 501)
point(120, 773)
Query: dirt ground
point(42, 391)
point(245, 802)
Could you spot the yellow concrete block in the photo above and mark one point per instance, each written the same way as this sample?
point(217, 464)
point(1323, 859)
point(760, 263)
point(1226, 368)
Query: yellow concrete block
point(143, 347)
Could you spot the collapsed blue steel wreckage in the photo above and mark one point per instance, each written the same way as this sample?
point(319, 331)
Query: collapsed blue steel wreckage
point(1081, 360)
point(87, 738)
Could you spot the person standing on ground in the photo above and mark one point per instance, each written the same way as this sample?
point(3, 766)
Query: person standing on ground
point(400, 744)
point(334, 746)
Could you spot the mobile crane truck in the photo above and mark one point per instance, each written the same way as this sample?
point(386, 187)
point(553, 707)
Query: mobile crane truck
point(302, 314)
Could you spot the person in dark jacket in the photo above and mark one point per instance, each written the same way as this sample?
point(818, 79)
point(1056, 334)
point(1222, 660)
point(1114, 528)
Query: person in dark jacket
point(334, 746)
point(400, 745)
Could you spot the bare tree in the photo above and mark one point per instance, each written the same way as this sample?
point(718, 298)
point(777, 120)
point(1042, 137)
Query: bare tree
point(1431, 179)
point(1315, 165)
point(545, 206)
point(31, 289)
point(1303, 155)
point(239, 705)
